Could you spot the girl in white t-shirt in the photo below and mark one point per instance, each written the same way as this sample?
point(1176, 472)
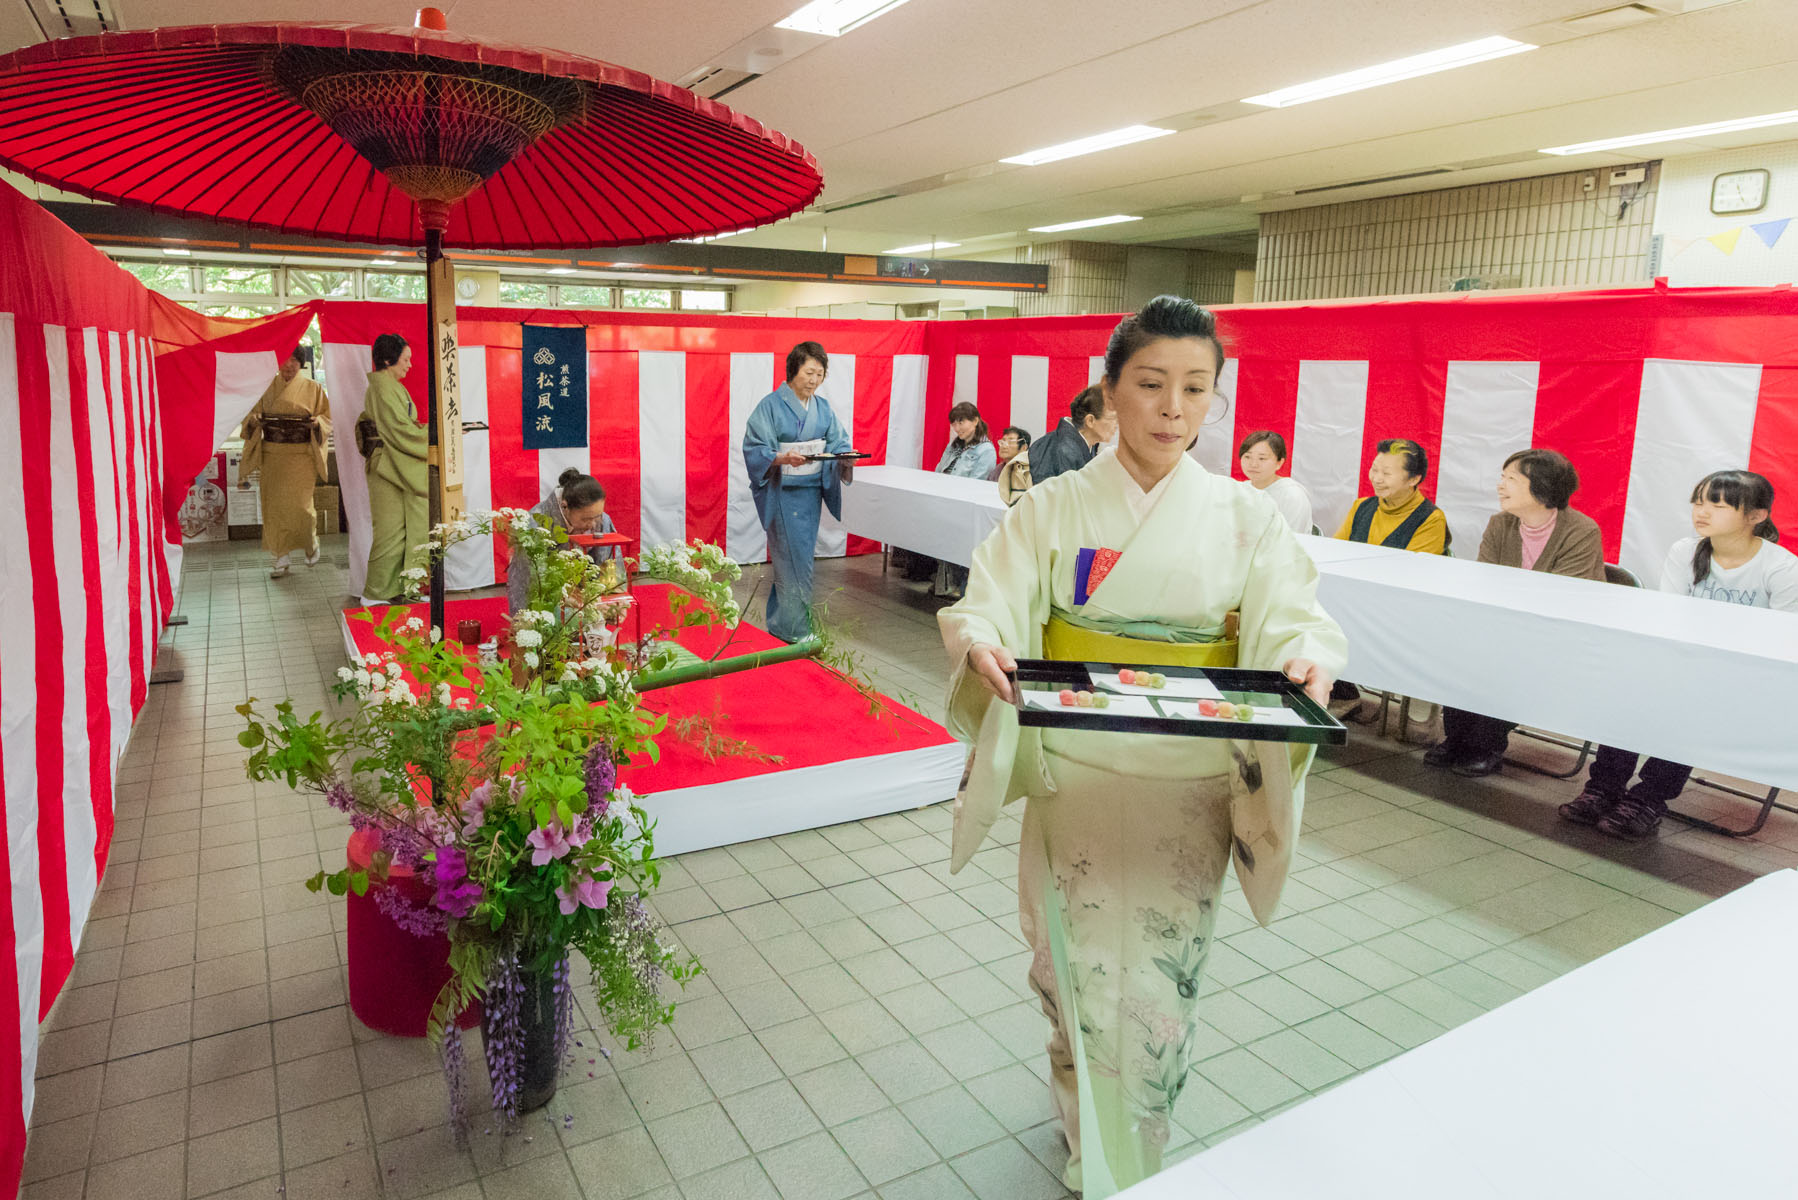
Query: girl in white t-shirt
point(1734, 557)
point(1261, 455)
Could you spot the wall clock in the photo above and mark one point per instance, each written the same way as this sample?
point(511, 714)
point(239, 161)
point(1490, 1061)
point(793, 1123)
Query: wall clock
point(468, 289)
point(1739, 192)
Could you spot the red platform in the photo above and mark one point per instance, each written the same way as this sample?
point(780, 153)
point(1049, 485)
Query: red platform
point(839, 761)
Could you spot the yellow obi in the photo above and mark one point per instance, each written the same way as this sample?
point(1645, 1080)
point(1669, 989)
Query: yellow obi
point(1067, 642)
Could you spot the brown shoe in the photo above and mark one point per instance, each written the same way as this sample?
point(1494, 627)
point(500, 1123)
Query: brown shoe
point(1590, 806)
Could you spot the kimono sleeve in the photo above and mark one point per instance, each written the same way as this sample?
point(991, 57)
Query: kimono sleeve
point(1006, 600)
point(1281, 619)
point(837, 438)
point(397, 421)
point(760, 442)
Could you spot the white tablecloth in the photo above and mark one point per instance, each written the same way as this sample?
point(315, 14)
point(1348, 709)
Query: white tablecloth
point(944, 516)
point(1665, 1070)
point(1690, 680)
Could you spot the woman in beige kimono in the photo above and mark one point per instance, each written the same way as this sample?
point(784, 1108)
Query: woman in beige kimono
point(396, 475)
point(1126, 836)
point(284, 439)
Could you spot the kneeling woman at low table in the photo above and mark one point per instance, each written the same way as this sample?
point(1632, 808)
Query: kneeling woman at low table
point(1130, 834)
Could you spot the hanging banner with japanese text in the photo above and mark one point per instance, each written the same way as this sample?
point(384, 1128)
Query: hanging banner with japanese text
point(554, 388)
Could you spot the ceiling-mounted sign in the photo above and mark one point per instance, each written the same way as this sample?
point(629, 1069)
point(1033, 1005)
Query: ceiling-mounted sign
point(905, 268)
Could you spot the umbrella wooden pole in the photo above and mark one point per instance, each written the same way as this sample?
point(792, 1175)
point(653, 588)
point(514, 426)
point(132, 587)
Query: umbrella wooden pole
point(440, 293)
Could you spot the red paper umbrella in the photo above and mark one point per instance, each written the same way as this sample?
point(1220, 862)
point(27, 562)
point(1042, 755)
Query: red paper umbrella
point(373, 134)
point(334, 130)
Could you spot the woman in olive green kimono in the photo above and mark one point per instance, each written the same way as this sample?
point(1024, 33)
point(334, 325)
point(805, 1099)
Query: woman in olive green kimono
point(1127, 836)
point(396, 474)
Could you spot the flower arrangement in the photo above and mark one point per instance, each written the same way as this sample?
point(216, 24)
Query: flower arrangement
point(699, 568)
point(497, 788)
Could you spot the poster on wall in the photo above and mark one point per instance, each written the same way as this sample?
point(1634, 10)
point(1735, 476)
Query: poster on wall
point(203, 513)
point(554, 387)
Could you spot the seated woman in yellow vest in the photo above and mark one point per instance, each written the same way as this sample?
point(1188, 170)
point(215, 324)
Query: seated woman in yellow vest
point(1397, 514)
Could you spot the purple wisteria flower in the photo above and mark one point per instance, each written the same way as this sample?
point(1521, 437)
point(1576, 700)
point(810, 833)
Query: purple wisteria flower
point(583, 893)
point(457, 894)
point(419, 922)
point(602, 773)
point(339, 797)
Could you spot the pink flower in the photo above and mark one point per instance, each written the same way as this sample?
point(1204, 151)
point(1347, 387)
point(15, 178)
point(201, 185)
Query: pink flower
point(548, 843)
point(590, 893)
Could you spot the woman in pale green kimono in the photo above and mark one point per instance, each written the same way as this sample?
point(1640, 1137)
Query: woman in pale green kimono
point(1126, 836)
point(397, 475)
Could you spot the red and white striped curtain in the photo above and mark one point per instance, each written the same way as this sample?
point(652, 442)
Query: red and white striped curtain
point(1647, 391)
point(85, 582)
point(99, 437)
point(668, 397)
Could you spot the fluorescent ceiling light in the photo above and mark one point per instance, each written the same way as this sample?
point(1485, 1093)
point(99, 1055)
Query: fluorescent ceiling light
point(1088, 145)
point(922, 248)
point(560, 271)
point(177, 251)
point(1118, 219)
point(833, 18)
point(1466, 54)
point(1684, 132)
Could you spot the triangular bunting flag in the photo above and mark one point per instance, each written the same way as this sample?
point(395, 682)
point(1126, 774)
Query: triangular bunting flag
point(1770, 231)
point(1677, 246)
point(1726, 241)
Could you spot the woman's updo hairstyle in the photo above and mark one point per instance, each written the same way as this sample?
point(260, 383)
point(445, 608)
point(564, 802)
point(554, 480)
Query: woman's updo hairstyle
point(579, 489)
point(387, 351)
point(1162, 317)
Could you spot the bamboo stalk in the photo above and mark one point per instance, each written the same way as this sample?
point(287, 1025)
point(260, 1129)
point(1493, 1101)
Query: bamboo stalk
point(805, 648)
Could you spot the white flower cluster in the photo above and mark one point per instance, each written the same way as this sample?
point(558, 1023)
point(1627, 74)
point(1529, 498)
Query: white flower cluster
point(575, 671)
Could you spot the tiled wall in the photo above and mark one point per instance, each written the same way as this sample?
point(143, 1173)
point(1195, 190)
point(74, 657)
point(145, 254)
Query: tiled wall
point(1094, 277)
point(1084, 277)
point(1541, 232)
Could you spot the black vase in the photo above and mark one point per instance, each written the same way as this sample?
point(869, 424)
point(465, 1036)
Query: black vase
point(540, 1064)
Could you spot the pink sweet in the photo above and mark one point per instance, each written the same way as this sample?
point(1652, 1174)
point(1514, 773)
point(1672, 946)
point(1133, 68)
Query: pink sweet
point(1208, 708)
point(1126, 676)
point(1067, 697)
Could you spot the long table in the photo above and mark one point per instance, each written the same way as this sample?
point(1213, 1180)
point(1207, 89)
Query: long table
point(1688, 680)
point(1600, 1085)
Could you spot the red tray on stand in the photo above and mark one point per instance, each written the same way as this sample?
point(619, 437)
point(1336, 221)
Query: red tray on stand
point(626, 547)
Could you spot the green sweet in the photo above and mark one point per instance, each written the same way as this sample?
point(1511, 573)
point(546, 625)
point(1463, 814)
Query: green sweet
point(1244, 712)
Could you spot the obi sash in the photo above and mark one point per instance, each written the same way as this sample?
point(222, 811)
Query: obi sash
point(286, 431)
point(1067, 642)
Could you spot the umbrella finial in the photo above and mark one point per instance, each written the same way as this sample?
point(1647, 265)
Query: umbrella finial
point(431, 18)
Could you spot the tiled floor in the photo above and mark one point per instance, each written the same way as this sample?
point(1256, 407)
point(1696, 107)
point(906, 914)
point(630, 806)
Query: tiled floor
point(864, 1027)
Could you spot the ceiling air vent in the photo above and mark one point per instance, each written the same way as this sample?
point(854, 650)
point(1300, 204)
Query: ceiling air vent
point(1611, 18)
point(72, 18)
point(1355, 183)
point(717, 82)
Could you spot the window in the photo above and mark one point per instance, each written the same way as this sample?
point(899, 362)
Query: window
point(320, 283)
point(704, 301)
point(578, 295)
point(646, 298)
point(239, 310)
point(253, 281)
point(162, 277)
point(382, 285)
point(534, 294)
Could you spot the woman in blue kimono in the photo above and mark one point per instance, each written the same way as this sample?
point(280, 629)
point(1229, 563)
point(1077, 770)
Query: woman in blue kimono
point(787, 425)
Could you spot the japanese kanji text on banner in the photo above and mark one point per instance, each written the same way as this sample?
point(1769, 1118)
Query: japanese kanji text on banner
point(554, 386)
